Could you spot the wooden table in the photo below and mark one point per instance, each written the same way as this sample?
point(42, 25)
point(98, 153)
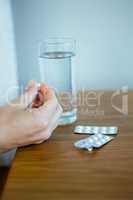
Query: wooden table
point(56, 170)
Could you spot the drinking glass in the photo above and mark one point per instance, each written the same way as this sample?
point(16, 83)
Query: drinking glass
point(57, 71)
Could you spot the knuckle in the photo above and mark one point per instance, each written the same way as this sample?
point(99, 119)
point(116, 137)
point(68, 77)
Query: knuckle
point(44, 135)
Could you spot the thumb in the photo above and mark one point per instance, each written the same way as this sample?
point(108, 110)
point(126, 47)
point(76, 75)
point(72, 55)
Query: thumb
point(29, 95)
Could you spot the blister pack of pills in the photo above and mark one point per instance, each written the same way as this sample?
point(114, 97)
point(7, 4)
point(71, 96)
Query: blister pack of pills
point(94, 141)
point(106, 130)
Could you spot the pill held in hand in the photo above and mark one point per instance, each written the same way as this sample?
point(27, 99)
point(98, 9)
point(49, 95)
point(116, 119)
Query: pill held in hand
point(40, 97)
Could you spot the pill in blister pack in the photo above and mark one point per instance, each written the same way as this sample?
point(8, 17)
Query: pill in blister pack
point(94, 141)
point(107, 130)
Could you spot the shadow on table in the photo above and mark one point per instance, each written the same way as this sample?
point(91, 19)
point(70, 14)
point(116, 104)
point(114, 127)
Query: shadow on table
point(5, 163)
point(3, 177)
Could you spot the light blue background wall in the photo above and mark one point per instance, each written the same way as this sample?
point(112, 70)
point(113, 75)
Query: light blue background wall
point(8, 67)
point(103, 30)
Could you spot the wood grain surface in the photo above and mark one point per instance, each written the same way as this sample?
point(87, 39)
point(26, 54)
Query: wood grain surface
point(56, 170)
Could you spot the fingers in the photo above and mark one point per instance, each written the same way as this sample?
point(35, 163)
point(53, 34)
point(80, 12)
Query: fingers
point(43, 88)
point(47, 110)
point(37, 136)
point(40, 98)
point(44, 117)
point(27, 98)
point(46, 133)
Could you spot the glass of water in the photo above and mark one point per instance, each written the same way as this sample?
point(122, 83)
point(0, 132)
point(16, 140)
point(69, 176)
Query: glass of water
point(56, 70)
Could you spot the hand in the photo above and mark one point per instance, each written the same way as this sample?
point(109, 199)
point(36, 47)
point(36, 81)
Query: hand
point(22, 124)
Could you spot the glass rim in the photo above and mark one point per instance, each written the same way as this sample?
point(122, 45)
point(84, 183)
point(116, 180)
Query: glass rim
point(58, 40)
point(67, 44)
